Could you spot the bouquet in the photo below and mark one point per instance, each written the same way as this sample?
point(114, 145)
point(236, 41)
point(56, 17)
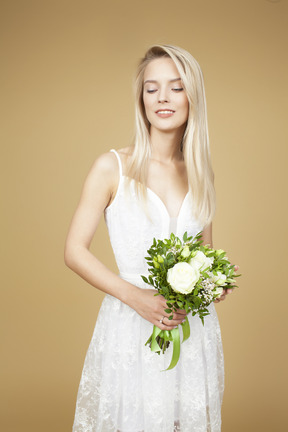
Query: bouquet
point(189, 276)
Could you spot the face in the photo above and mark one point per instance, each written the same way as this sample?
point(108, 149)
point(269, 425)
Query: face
point(164, 98)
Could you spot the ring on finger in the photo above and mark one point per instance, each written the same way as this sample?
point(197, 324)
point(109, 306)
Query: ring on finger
point(161, 320)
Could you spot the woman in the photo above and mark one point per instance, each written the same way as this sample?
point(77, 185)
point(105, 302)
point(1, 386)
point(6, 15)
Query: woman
point(146, 191)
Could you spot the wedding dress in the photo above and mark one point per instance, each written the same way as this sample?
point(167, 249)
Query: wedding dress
point(124, 387)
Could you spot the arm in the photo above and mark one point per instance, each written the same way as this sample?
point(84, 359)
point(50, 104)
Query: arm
point(207, 235)
point(98, 192)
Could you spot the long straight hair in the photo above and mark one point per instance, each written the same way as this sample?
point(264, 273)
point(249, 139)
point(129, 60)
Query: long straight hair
point(195, 141)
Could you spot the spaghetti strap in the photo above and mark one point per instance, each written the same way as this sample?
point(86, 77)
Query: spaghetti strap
point(119, 161)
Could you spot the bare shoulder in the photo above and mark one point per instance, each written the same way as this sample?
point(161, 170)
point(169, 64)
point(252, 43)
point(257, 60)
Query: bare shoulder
point(103, 177)
point(125, 153)
point(106, 164)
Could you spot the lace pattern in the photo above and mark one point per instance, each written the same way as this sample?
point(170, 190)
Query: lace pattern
point(123, 387)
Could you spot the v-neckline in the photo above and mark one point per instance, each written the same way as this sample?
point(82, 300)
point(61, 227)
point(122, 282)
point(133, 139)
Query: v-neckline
point(161, 202)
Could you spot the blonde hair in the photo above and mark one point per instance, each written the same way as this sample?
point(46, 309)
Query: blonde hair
point(195, 142)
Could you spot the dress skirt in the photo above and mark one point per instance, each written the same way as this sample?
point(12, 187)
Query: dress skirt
point(124, 386)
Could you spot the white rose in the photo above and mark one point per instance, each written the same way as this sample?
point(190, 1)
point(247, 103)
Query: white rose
point(182, 277)
point(200, 261)
point(219, 279)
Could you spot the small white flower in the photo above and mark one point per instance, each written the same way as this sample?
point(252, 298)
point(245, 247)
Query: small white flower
point(185, 251)
point(200, 261)
point(218, 291)
point(219, 279)
point(182, 277)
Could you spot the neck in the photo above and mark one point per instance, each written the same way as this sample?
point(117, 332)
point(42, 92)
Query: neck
point(166, 146)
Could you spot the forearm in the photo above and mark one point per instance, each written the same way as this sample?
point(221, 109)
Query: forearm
point(143, 301)
point(207, 236)
point(86, 265)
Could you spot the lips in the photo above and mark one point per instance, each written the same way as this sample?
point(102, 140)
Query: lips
point(164, 111)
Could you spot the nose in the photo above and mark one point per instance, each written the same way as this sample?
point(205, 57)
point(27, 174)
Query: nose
point(163, 96)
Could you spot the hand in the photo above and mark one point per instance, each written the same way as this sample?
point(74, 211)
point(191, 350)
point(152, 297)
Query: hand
point(225, 291)
point(152, 307)
point(223, 295)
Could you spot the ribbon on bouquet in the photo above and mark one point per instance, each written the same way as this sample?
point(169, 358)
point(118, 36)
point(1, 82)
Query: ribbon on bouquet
point(160, 340)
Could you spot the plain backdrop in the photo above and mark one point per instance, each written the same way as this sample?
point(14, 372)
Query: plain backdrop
point(66, 96)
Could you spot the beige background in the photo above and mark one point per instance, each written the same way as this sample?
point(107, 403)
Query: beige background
point(67, 71)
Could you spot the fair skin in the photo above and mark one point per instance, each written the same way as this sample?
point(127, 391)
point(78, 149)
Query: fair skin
point(167, 110)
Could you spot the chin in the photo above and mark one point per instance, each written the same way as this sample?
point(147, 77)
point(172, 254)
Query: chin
point(170, 128)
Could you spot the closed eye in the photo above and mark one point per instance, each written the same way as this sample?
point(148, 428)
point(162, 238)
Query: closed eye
point(178, 89)
point(151, 91)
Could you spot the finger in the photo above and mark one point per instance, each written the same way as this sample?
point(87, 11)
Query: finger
point(173, 322)
point(178, 316)
point(181, 311)
point(223, 294)
point(170, 323)
point(178, 311)
point(165, 324)
point(229, 291)
point(166, 327)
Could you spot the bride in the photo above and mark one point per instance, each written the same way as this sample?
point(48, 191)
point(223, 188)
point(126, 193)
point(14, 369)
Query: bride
point(161, 184)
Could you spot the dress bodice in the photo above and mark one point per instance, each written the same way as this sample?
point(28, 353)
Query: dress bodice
point(132, 225)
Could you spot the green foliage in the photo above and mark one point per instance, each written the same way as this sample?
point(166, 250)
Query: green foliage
point(163, 255)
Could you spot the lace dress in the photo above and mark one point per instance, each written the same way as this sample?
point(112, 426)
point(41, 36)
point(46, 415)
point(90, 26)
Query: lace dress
point(123, 386)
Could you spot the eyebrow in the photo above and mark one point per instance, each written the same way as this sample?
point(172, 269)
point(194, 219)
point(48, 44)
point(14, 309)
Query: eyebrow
point(155, 81)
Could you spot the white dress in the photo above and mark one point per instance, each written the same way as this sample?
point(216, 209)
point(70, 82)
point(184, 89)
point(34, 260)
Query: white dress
point(123, 386)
